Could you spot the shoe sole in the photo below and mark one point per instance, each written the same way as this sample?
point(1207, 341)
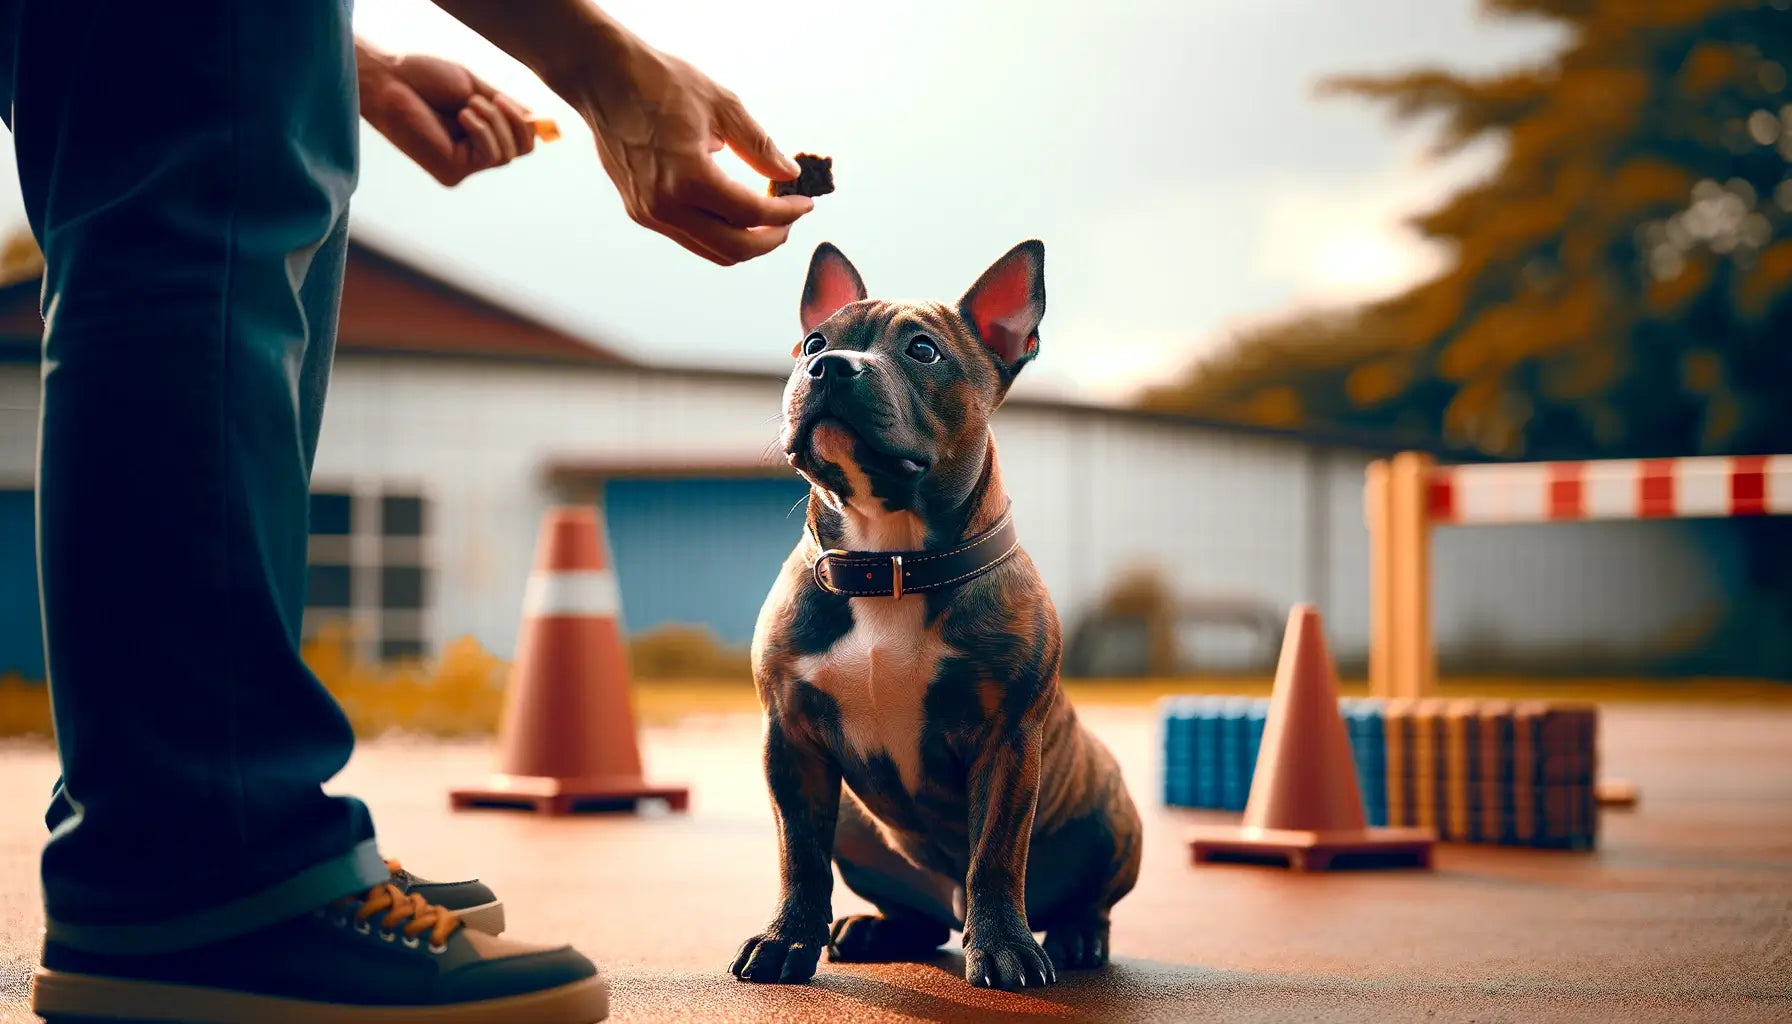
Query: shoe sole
point(487, 918)
point(60, 996)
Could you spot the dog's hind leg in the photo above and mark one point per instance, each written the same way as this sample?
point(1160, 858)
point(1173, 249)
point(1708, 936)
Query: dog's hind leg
point(915, 906)
point(1076, 876)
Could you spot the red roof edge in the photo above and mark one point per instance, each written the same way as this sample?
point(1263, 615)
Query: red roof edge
point(452, 286)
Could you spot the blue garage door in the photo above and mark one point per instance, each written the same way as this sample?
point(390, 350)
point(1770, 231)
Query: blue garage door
point(21, 630)
point(700, 552)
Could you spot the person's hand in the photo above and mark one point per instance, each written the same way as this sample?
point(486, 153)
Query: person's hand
point(658, 121)
point(440, 114)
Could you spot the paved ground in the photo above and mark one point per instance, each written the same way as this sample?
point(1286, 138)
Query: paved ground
point(1684, 914)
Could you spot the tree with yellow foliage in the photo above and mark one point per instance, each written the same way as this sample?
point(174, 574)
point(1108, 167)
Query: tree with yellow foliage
point(1620, 285)
point(20, 258)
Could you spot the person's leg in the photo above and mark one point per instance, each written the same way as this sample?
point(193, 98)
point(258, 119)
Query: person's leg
point(187, 169)
point(58, 161)
point(187, 172)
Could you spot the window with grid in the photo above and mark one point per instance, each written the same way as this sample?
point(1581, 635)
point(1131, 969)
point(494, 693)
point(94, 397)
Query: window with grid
point(370, 568)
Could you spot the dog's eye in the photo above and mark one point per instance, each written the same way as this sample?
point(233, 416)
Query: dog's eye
point(922, 349)
point(814, 343)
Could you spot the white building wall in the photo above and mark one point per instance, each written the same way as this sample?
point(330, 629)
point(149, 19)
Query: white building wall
point(18, 425)
point(1345, 597)
point(1571, 590)
point(1219, 513)
point(479, 436)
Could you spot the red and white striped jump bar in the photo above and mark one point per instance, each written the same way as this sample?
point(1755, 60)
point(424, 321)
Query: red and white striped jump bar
point(1708, 487)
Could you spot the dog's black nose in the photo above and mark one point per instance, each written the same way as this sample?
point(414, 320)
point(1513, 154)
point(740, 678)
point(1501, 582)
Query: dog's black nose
point(835, 365)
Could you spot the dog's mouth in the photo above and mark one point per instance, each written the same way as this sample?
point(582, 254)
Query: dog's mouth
point(801, 453)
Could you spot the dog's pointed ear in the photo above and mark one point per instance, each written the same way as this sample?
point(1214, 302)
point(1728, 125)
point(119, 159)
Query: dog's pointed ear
point(1006, 304)
point(832, 283)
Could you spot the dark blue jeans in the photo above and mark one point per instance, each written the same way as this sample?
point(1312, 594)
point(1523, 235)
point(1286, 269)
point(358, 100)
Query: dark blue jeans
point(186, 168)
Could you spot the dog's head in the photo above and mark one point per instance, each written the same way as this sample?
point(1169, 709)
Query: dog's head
point(888, 406)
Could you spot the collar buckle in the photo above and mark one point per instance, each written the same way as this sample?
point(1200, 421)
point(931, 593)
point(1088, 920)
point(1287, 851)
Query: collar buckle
point(820, 577)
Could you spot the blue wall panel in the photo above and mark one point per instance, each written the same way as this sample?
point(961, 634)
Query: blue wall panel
point(21, 629)
point(700, 551)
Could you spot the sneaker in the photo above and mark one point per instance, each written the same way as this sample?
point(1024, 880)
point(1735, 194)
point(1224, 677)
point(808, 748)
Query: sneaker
point(382, 958)
point(472, 901)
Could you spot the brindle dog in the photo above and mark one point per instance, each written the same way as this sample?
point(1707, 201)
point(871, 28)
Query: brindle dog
point(973, 797)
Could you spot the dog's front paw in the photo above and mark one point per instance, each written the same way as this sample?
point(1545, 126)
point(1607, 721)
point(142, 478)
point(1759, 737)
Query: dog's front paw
point(778, 959)
point(1078, 947)
point(1008, 963)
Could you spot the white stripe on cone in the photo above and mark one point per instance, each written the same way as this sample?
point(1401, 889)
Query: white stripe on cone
point(581, 592)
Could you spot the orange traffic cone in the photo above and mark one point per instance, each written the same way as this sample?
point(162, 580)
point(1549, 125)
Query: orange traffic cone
point(1305, 807)
point(567, 738)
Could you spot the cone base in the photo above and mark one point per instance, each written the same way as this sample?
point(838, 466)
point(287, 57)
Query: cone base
point(1615, 793)
point(1306, 850)
point(551, 796)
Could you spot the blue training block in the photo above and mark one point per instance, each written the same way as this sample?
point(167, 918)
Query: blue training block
point(1207, 753)
point(1368, 749)
point(1211, 746)
point(1178, 716)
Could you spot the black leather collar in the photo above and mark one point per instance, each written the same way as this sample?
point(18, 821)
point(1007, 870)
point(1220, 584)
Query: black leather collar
point(895, 573)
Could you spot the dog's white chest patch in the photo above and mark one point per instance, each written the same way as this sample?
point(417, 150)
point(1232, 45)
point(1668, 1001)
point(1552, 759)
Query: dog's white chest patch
point(878, 674)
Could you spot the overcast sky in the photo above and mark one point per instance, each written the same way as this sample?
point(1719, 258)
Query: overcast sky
point(1170, 153)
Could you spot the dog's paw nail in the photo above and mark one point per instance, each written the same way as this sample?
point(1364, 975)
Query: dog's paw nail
point(1009, 964)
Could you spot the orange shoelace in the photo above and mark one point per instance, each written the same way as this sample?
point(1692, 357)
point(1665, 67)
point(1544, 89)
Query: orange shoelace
point(423, 915)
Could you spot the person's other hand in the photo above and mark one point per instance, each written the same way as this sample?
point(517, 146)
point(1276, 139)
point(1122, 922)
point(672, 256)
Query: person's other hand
point(441, 115)
point(658, 121)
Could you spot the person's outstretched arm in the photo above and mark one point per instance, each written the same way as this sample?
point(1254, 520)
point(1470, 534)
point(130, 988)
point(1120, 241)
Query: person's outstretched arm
point(657, 121)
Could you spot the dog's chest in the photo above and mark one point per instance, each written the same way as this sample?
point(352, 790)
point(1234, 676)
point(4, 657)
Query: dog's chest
point(878, 675)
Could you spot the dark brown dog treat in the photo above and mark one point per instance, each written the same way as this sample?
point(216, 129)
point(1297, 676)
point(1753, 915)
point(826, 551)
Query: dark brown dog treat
point(817, 178)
